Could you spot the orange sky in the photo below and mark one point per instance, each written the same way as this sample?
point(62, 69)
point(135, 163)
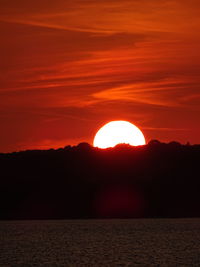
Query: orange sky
point(68, 67)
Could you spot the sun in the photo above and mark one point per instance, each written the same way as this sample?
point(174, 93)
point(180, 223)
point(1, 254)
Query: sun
point(118, 132)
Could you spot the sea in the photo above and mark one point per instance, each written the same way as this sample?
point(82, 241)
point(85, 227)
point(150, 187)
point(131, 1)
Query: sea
point(117, 242)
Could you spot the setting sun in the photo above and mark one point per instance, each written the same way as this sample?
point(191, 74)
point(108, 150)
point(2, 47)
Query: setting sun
point(118, 132)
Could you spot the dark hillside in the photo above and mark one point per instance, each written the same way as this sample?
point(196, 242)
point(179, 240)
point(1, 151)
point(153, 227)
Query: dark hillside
point(156, 180)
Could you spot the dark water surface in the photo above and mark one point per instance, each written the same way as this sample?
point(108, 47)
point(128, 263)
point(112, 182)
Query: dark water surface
point(140, 242)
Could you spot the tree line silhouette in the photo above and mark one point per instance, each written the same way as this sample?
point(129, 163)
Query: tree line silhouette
point(155, 180)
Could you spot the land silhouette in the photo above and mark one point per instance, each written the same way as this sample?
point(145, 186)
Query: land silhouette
point(156, 180)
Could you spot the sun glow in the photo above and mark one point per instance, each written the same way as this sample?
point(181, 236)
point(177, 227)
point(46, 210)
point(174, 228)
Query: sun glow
point(118, 132)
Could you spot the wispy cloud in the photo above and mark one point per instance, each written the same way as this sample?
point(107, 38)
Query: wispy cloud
point(152, 93)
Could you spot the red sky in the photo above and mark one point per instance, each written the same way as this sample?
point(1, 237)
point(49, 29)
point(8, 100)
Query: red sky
point(68, 67)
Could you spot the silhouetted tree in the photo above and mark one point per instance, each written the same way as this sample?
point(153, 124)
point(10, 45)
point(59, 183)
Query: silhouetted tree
point(155, 180)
